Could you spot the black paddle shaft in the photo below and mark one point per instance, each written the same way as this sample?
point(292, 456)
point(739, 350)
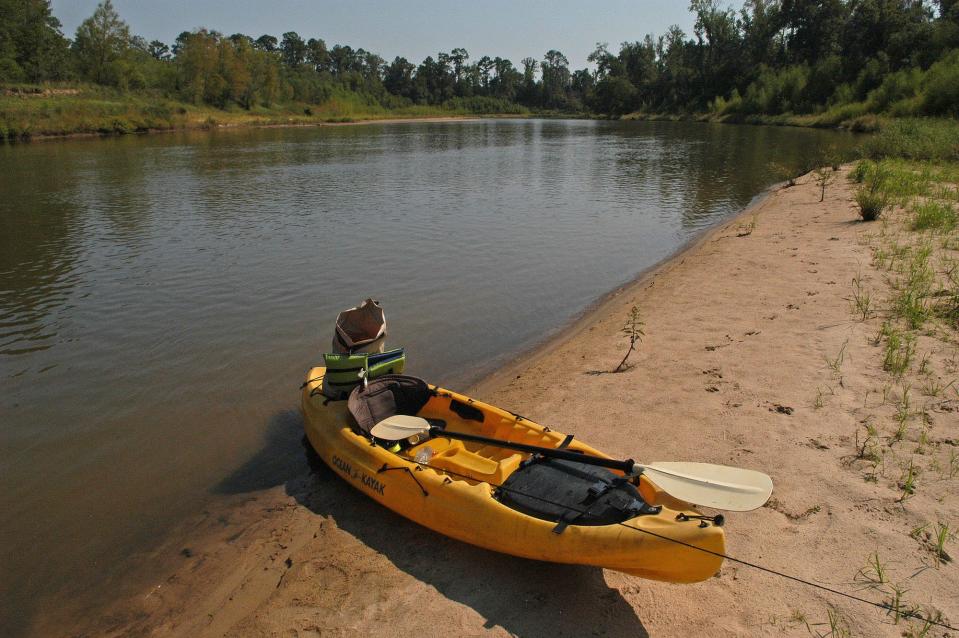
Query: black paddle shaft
point(551, 452)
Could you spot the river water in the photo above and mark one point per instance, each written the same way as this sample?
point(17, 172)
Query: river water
point(162, 296)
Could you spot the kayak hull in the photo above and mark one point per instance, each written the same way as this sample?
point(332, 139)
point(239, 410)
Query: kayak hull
point(455, 496)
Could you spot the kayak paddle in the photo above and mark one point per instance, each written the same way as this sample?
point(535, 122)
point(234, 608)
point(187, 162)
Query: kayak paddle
point(717, 486)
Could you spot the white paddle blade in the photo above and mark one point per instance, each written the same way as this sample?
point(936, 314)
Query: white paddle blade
point(399, 426)
point(719, 486)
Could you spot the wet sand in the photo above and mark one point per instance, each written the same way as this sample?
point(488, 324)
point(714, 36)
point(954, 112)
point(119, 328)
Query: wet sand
point(740, 365)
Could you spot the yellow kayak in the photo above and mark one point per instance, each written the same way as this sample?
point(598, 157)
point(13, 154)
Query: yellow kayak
point(501, 499)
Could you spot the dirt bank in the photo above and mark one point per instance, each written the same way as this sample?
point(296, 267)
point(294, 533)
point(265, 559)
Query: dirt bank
point(294, 122)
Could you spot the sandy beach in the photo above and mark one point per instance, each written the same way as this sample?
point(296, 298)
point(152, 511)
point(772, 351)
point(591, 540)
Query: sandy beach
point(753, 356)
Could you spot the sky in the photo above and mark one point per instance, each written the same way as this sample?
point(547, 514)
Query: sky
point(413, 29)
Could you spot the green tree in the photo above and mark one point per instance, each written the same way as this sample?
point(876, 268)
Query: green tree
point(506, 79)
point(900, 29)
point(341, 59)
point(32, 48)
point(529, 91)
point(582, 84)
point(266, 43)
point(760, 23)
point(674, 70)
point(637, 60)
point(444, 81)
point(373, 67)
point(614, 95)
point(813, 29)
point(458, 58)
point(101, 43)
point(556, 77)
point(398, 78)
point(198, 67)
point(606, 63)
point(159, 51)
point(317, 55)
point(293, 49)
point(484, 66)
point(717, 51)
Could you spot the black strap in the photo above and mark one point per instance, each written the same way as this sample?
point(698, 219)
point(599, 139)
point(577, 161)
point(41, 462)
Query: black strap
point(568, 518)
point(566, 441)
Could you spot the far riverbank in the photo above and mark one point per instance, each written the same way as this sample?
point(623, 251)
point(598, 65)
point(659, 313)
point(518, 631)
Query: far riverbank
point(62, 113)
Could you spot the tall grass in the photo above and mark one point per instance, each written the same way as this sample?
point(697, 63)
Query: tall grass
point(55, 110)
point(935, 216)
point(915, 139)
point(872, 197)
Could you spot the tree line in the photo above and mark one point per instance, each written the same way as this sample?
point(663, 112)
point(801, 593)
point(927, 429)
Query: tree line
point(769, 57)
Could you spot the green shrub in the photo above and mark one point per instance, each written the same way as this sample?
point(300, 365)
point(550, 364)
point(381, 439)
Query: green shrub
point(894, 88)
point(941, 87)
point(840, 113)
point(906, 107)
point(862, 170)
point(775, 92)
point(866, 124)
point(871, 197)
point(843, 94)
point(159, 111)
point(484, 104)
point(822, 79)
point(871, 76)
point(871, 203)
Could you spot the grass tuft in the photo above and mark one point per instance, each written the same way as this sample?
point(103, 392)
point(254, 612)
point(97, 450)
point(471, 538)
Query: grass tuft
point(935, 216)
point(900, 349)
point(872, 197)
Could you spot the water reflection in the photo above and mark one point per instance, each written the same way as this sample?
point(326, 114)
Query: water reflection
point(38, 256)
point(161, 296)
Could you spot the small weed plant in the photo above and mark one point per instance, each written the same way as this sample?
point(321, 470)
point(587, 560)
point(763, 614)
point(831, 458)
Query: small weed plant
point(861, 299)
point(633, 329)
point(824, 177)
point(941, 535)
point(835, 364)
point(899, 352)
point(907, 482)
point(874, 571)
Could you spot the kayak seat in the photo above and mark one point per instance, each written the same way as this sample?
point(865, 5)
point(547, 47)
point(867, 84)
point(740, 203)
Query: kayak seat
point(387, 396)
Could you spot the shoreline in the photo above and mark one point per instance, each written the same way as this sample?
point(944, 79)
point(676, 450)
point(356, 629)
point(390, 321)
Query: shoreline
point(776, 121)
point(498, 372)
point(254, 125)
